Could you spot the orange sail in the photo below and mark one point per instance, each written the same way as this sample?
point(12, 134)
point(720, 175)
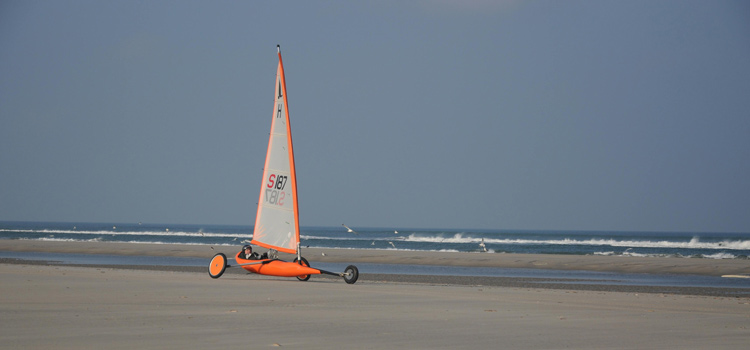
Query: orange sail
point(277, 219)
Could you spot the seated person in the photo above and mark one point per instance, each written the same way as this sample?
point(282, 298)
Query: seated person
point(247, 253)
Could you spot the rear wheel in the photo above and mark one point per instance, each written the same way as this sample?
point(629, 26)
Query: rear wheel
point(217, 266)
point(351, 274)
point(303, 262)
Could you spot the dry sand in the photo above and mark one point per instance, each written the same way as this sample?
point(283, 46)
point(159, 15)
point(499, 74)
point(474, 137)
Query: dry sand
point(63, 307)
point(68, 307)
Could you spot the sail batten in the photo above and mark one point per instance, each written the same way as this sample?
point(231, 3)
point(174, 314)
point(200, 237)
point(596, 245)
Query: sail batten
point(277, 219)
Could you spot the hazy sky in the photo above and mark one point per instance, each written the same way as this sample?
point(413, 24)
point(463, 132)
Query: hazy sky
point(570, 115)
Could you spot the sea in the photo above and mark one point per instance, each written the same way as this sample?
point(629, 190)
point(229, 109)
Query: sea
point(702, 245)
point(692, 245)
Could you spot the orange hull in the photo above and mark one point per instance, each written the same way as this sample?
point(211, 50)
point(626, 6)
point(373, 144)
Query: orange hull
point(277, 268)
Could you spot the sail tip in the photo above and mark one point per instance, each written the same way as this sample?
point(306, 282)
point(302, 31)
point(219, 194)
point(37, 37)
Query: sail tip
point(278, 48)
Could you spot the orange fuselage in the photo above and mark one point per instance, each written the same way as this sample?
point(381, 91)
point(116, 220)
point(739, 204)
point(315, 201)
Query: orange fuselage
point(276, 267)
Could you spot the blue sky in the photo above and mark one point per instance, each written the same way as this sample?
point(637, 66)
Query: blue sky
point(568, 115)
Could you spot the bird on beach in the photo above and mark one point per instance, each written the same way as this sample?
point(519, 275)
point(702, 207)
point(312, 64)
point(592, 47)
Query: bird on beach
point(482, 246)
point(350, 230)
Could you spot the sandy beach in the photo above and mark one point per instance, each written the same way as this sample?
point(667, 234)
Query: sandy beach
point(66, 307)
point(708, 267)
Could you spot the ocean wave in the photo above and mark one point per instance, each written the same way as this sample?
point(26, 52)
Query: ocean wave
point(132, 233)
point(694, 243)
point(53, 239)
point(720, 255)
point(640, 255)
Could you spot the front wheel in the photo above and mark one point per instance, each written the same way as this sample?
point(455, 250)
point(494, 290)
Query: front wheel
point(351, 274)
point(303, 262)
point(217, 266)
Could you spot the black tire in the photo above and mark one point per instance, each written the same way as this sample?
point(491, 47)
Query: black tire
point(351, 274)
point(303, 262)
point(217, 266)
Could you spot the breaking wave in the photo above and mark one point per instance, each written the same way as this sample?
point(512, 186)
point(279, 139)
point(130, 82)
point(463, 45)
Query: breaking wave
point(694, 243)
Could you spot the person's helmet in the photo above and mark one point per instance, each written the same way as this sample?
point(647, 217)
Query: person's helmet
point(247, 246)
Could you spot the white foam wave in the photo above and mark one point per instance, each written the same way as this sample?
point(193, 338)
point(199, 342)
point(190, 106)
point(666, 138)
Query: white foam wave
point(306, 237)
point(694, 243)
point(52, 239)
point(134, 233)
point(609, 253)
point(722, 255)
point(629, 253)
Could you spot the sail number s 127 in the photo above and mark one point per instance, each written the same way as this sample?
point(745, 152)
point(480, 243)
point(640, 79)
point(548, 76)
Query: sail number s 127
point(275, 193)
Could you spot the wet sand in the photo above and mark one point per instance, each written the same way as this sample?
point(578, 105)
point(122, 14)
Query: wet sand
point(708, 267)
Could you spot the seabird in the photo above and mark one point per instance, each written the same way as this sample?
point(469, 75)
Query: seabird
point(482, 246)
point(392, 245)
point(350, 230)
